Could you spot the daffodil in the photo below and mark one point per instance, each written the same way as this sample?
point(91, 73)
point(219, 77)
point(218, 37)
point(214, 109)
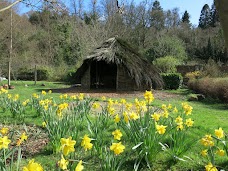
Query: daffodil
point(189, 122)
point(161, 129)
point(117, 119)
point(133, 116)
point(4, 130)
point(86, 143)
point(149, 97)
point(220, 152)
point(219, 133)
point(95, 105)
point(23, 136)
point(178, 119)
point(4, 142)
point(33, 166)
point(117, 134)
point(67, 145)
point(204, 153)
point(117, 148)
point(63, 163)
point(43, 92)
point(156, 116)
point(207, 141)
point(79, 166)
point(210, 167)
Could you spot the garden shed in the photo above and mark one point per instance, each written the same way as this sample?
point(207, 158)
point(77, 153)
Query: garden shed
point(116, 65)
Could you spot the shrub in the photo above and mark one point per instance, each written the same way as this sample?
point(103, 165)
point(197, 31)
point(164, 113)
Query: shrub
point(211, 87)
point(172, 80)
point(29, 74)
point(167, 64)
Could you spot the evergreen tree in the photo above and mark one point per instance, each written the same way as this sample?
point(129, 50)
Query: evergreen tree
point(205, 17)
point(157, 16)
point(185, 17)
point(214, 15)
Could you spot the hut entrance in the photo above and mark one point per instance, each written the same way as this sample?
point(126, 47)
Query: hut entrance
point(103, 75)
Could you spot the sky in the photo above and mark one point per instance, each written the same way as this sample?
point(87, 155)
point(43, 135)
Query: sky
point(193, 7)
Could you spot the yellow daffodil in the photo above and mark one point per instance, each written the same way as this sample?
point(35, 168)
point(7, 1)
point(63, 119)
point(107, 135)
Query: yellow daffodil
point(207, 141)
point(165, 114)
point(220, 152)
point(149, 97)
point(23, 136)
point(111, 110)
point(117, 148)
point(219, 133)
point(95, 105)
point(180, 126)
point(117, 134)
point(126, 117)
point(133, 116)
point(189, 122)
point(50, 91)
point(103, 98)
point(187, 108)
point(210, 167)
point(86, 143)
point(4, 131)
point(161, 129)
point(128, 106)
point(67, 145)
point(79, 166)
point(44, 124)
point(117, 119)
point(179, 119)
point(204, 153)
point(63, 163)
point(156, 116)
point(81, 96)
point(175, 110)
point(33, 166)
point(4, 142)
point(169, 106)
point(43, 92)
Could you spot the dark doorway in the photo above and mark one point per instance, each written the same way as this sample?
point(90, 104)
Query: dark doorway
point(103, 75)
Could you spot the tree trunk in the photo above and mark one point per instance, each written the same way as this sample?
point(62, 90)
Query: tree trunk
point(223, 16)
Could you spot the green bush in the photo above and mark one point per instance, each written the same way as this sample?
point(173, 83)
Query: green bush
point(29, 74)
point(172, 80)
point(167, 64)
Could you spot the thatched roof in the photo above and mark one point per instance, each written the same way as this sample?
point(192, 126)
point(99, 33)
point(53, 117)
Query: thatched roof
point(117, 51)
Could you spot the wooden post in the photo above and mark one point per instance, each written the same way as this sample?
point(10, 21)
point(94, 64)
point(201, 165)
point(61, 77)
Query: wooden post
point(35, 75)
point(11, 46)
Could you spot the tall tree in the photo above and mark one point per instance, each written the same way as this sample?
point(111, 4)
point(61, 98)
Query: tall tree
point(214, 15)
point(185, 18)
point(205, 17)
point(157, 16)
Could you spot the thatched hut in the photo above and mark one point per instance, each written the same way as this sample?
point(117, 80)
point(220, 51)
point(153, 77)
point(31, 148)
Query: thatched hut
point(116, 65)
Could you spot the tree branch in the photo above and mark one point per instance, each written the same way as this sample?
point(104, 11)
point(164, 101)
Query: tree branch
point(11, 5)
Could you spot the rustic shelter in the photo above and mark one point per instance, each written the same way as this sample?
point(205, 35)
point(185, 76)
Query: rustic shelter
point(116, 65)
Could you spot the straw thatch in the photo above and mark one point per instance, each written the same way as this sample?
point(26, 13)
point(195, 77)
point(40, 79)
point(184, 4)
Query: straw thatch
point(117, 51)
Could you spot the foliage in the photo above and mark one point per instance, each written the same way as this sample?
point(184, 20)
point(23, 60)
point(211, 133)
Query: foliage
point(167, 64)
point(172, 80)
point(205, 17)
point(167, 46)
point(29, 74)
point(211, 87)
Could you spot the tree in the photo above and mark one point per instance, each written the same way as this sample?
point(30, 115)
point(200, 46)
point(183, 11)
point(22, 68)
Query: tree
point(185, 18)
point(214, 16)
point(205, 17)
point(157, 18)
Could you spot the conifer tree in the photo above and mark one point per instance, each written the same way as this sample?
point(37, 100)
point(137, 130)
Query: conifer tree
point(205, 17)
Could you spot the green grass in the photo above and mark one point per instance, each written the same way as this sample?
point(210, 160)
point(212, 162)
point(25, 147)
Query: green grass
point(208, 115)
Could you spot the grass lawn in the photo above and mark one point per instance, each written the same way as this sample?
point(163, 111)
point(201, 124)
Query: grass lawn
point(208, 115)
